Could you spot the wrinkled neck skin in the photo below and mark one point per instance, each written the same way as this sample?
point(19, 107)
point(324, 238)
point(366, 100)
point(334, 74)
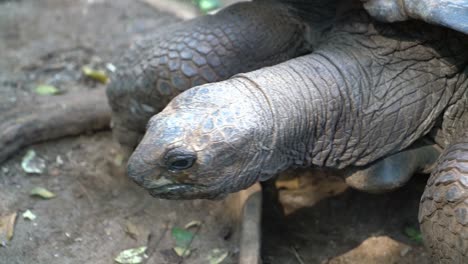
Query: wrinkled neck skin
point(291, 120)
point(337, 107)
point(369, 90)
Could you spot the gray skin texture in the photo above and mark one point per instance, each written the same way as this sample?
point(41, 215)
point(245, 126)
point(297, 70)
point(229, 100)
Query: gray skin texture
point(443, 213)
point(394, 171)
point(358, 102)
point(240, 38)
point(366, 92)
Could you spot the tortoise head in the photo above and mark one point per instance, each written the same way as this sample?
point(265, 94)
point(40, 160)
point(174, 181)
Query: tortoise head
point(205, 144)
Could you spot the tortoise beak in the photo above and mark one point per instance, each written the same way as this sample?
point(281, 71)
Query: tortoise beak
point(145, 174)
point(170, 189)
point(180, 191)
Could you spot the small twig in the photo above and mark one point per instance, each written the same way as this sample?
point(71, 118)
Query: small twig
point(153, 244)
point(296, 254)
point(88, 197)
point(51, 54)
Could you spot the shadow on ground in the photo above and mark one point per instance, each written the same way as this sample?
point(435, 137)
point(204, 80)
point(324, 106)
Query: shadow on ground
point(337, 225)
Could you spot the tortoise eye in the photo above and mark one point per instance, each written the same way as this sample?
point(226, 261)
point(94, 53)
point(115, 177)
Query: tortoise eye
point(180, 159)
point(181, 164)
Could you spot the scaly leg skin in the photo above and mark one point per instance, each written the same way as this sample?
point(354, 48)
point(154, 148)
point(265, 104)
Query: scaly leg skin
point(392, 172)
point(240, 38)
point(448, 13)
point(443, 213)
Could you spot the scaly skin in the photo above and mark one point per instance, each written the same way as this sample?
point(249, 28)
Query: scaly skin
point(240, 38)
point(443, 213)
point(368, 91)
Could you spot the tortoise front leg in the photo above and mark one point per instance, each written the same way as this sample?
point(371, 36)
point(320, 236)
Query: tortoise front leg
point(443, 213)
point(394, 171)
point(240, 38)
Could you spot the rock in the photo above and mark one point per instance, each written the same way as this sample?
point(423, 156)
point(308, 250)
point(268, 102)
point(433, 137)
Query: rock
point(381, 249)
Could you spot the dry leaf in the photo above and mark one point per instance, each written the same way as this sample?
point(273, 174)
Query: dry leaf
point(131, 256)
point(7, 228)
point(28, 215)
point(46, 90)
point(42, 192)
point(131, 230)
point(182, 252)
point(98, 75)
point(217, 256)
point(192, 224)
point(32, 164)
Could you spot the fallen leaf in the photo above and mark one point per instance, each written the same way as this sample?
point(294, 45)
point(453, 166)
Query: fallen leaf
point(414, 234)
point(42, 192)
point(182, 237)
point(59, 160)
point(131, 230)
point(208, 5)
point(46, 90)
point(7, 228)
point(192, 224)
point(118, 159)
point(111, 67)
point(32, 164)
point(131, 256)
point(182, 252)
point(97, 75)
point(290, 184)
point(217, 256)
point(28, 215)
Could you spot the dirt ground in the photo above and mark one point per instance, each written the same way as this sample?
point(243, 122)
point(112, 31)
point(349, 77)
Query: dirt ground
point(98, 212)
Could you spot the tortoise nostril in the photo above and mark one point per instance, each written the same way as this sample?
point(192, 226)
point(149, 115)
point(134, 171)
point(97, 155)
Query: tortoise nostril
point(146, 176)
point(132, 172)
point(138, 170)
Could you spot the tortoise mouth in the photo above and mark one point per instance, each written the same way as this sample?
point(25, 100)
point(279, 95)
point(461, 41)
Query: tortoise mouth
point(183, 191)
point(171, 188)
point(173, 191)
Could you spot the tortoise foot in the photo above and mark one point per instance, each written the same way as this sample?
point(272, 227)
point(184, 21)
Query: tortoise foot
point(443, 212)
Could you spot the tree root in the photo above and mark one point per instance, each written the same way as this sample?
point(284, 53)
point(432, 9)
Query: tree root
point(52, 118)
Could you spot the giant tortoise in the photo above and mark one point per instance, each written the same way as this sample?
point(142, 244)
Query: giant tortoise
point(377, 89)
point(358, 86)
point(306, 83)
